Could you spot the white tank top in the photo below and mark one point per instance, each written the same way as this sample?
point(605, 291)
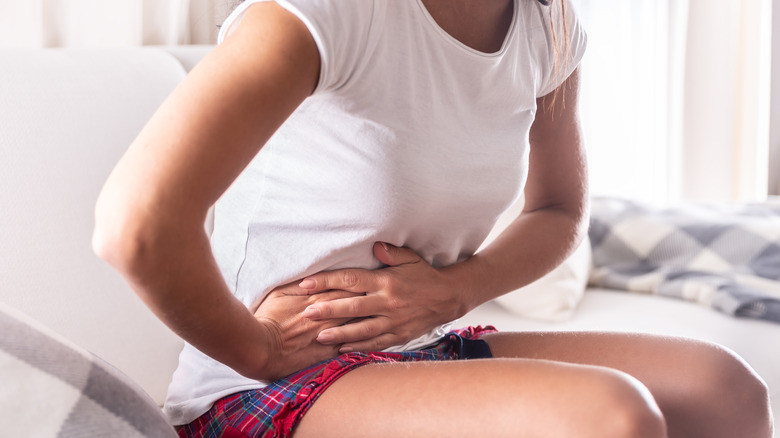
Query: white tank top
point(410, 138)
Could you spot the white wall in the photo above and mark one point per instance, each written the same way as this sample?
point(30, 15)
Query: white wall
point(726, 115)
point(112, 23)
point(632, 77)
point(682, 111)
point(774, 142)
point(710, 100)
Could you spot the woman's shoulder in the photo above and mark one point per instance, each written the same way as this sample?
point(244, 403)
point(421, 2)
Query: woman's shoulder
point(341, 29)
point(333, 13)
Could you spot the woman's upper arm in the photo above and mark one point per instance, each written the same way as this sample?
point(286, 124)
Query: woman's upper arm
point(557, 175)
point(211, 126)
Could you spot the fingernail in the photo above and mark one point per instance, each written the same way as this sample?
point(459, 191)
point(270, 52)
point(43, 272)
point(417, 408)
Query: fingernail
point(325, 337)
point(346, 350)
point(385, 246)
point(311, 312)
point(308, 283)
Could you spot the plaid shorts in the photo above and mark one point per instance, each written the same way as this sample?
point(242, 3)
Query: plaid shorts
point(273, 411)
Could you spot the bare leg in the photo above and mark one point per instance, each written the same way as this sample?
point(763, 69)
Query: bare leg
point(553, 385)
point(703, 390)
point(485, 398)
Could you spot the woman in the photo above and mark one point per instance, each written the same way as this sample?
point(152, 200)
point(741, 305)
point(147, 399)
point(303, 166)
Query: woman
point(393, 133)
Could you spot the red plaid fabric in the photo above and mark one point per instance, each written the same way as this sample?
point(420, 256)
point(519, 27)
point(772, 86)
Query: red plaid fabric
point(273, 411)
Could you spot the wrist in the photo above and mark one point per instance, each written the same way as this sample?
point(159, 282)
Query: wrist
point(468, 282)
point(259, 348)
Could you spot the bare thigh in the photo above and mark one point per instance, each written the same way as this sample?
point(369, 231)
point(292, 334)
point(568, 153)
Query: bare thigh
point(552, 385)
point(488, 397)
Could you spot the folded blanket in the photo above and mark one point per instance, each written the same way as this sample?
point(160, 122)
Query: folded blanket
point(724, 256)
point(51, 387)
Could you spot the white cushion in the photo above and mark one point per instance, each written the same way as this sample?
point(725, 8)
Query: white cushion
point(188, 56)
point(66, 118)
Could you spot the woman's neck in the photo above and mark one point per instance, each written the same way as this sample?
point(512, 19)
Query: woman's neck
point(480, 24)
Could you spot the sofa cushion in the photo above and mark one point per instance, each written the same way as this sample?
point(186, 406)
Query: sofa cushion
point(67, 117)
point(53, 388)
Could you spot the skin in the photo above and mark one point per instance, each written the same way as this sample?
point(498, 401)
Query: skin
point(149, 220)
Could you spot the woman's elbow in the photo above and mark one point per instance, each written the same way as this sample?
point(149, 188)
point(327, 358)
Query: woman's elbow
point(117, 241)
point(128, 231)
point(137, 238)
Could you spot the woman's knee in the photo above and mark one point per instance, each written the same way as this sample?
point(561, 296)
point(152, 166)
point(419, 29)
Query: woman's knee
point(730, 388)
point(623, 407)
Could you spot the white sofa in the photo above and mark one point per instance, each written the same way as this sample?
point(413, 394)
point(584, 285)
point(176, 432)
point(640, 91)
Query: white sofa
point(66, 116)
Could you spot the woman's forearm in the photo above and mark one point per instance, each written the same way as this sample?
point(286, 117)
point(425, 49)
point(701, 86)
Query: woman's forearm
point(174, 273)
point(534, 244)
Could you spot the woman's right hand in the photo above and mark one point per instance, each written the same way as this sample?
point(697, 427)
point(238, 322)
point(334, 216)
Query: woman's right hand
point(292, 339)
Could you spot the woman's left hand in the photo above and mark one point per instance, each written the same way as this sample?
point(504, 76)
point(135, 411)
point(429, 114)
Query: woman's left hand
point(402, 301)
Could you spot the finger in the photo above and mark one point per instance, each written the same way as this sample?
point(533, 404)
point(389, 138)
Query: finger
point(379, 343)
point(362, 330)
point(393, 256)
point(354, 307)
point(291, 289)
point(353, 280)
point(294, 289)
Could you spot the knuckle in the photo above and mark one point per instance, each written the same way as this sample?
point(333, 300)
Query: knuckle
point(387, 280)
point(323, 282)
point(350, 278)
point(353, 307)
point(395, 303)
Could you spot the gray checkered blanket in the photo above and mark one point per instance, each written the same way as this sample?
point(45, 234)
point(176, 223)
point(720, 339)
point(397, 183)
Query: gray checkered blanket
point(723, 256)
point(52, 388)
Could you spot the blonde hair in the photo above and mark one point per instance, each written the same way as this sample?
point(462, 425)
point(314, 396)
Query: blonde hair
point(559, 31)
point(562, 52)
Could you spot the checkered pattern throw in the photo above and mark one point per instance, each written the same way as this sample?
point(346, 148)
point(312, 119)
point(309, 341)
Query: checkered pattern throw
point(723, 256)
point(51, 388)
